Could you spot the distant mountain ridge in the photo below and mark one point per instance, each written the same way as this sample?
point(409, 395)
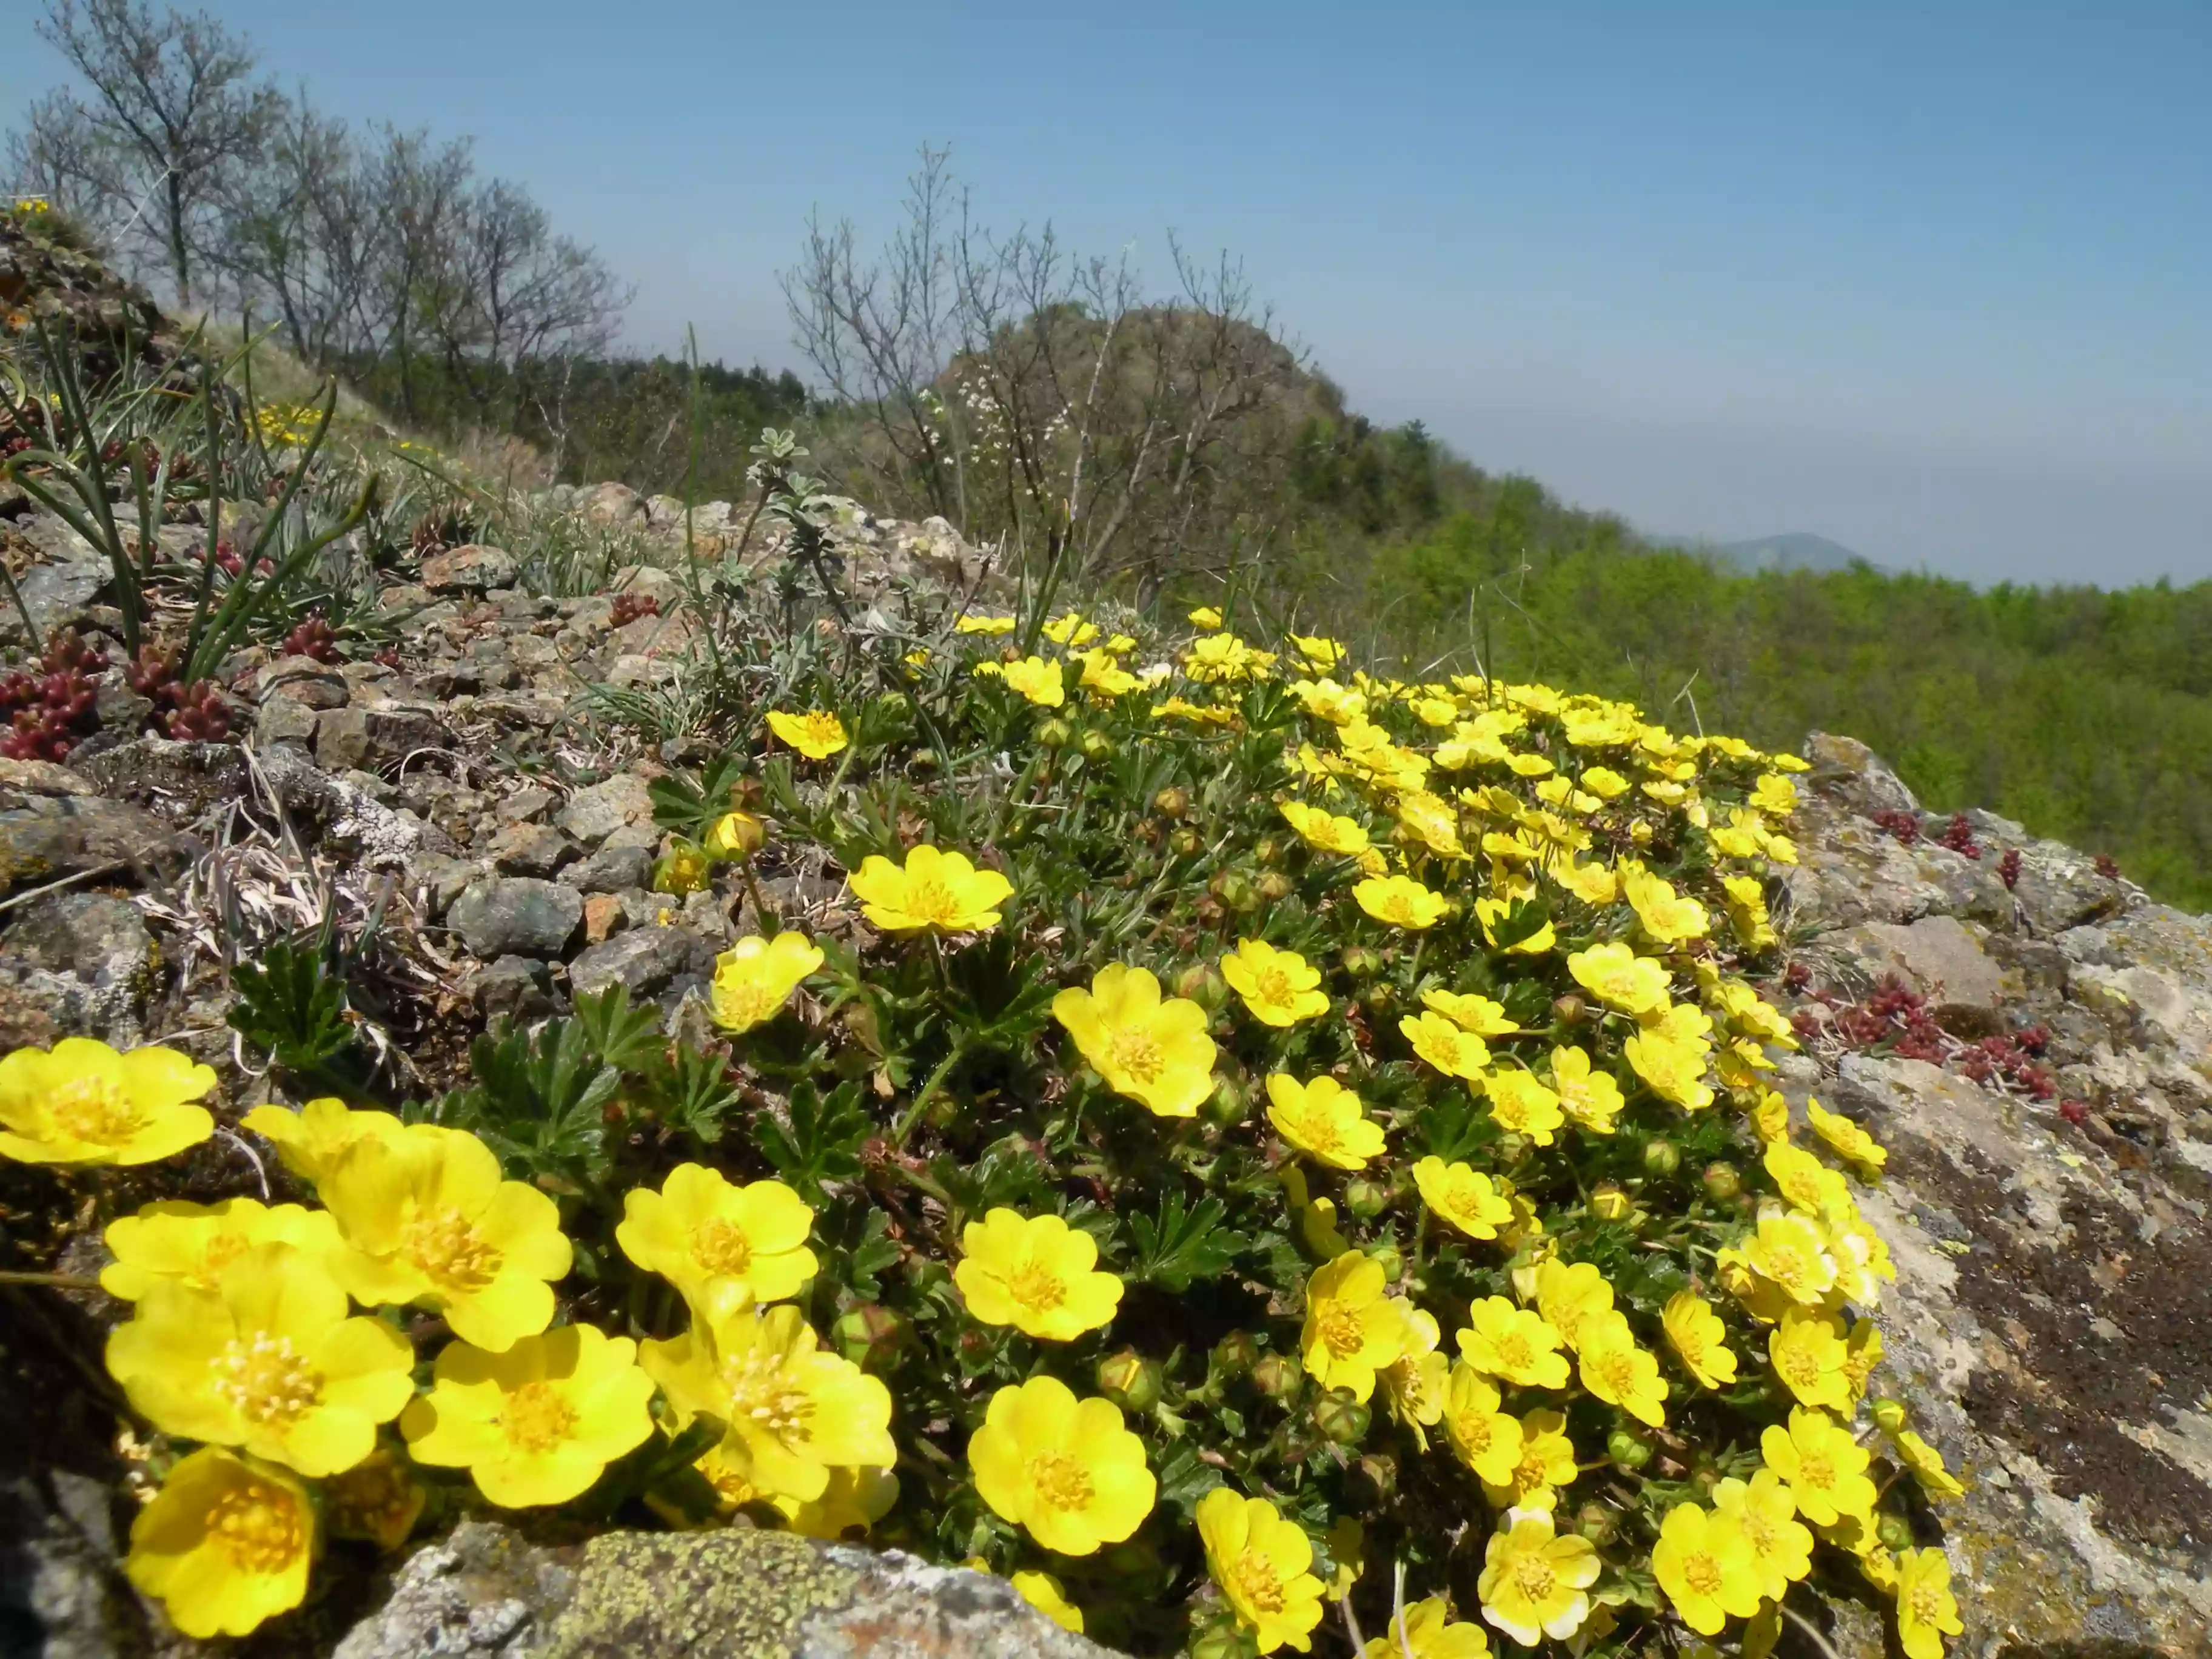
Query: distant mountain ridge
point(1794, 550)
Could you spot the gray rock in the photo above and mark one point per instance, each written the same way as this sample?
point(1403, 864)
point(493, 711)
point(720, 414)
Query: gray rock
point(610, 870)
point(513, 991)
point(179, 781)
point(1935, 955)
point(75, 964)
point(311, 683)
point(612, 504)
point(359, 738)
point(20, 778)
point(120, 707)
point(532, 849)
point(516, 915)
point(283, 721)
point(470, 569)
point(592, 814)
point(645, 959)
point(441, 879)
point(648, 582)
point(48, 837)
point(54, 594)
point(733, 1594)
point(1848, 770)
point(2059, 888)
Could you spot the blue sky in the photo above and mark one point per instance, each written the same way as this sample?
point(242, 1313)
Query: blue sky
point(1931, 281)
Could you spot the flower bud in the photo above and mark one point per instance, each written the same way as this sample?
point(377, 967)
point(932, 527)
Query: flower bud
point(1595, 1522)
point(1513, 1147)
point(923, 759)
point(1609, 1202)
point(1628, 1451)
point(1661, 1157)
point(1361, 962)
point(1722, 1183)
point(736, 835)
point(1894, 1531)
point(1186, 841)
point(1226, 1106)
point(1378, 1000)
point(1890, 1414)
point(1273, 886)
point(1234, 889)
point(895, 702)
point(1172, 802)
point(1364, 1197)
point(680, 870)
point(1201, 982)
point(1342, 1420)
point(1130, 1381)
point(1279, 1376)
point(1236, 1353)
point(873, 1336)
point(1269, 851)
point(1569, 1010)
point(1097, 747)
point(1390, 1259)
point(1054, 733)
point(975, 1345)
point(1380, 1471)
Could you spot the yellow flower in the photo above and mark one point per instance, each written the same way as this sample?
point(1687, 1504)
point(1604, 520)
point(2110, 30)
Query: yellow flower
point(1491, 911)
point(1353, 1329)
point(1521, 1104)
point(1477, 1016)
point(817, 734)
point(1808, 1354)
point(1764, 1513)
point(1615, 1369)
point(538, 1424)
point(1064, 1469)
point(1863, 1262)
point(1431, 822)
point(1514, 1343)
point(793, 1411)
point(854, 1500)
point(1673, 1068)
point(1463, 1196)
point(1775, 795)
point(1325, 831)
point(1155, 1051)
point(1926, 1611)
point(684, 868)
point(1849, 1140)
point(736, 835)
point(313, 1140)
point(1621, 979)
point(1592, 884)
point(1264, 1565)
point(940, 891)
point(1037, 679)
point(722, 1245)
point(1049, 1597)
point(1207, 617)
point(1322, 653)
point(1532, 1582)
point(378, 1501)
point(1400, 901)
point(1698, 1338)
point(1427, 1631)
point(1546, 1464)
point(1809, 1185)
point(1706, 1567)
point(1445, 1046)
point(989, 627)
point(1069, 628)
point(1035, 1273)
point(1568, 1293)
point(1348, 1550)
point(1825, 1468)
point(1324, 1120)
point(188, 1245)
point(1105, 676)
point(1667, 916)
point(1590, 1097)
point(755, 977)
point(1414, 1382)
point(267, 1361)
point(224, 1545)
point(427, 1220)
point(1770, 1119)
point(1789, 1252)
point(1279, 987)
point(1486, 1438)
point(85, 1103)
point(1926, 1464)
point(1317, 1227)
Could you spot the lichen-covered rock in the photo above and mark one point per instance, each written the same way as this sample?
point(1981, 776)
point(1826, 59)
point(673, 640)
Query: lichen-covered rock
point(739, 1594)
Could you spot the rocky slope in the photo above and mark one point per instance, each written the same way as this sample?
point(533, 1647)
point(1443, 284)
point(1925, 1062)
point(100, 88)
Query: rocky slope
point(2030, 1036)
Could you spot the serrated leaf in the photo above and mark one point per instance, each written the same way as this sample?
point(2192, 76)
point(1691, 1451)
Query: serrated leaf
point(822, 1142)
point(1183, 1245)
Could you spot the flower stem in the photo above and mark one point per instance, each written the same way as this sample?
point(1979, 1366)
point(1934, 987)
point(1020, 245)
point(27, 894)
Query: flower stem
point(905, 1126)
point(58, 1281)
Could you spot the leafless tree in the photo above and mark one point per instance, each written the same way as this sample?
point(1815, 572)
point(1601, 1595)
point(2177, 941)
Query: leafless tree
point(1021, 390)
point(170, 113)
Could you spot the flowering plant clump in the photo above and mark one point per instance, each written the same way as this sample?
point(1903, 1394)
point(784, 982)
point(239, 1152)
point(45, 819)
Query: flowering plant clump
point(1259, 1153)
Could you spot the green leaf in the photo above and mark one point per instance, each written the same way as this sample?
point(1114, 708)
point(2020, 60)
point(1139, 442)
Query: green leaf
point(1182, 1245)
point(629, 1039)
point(289, 1006)
point(540, 1099)
point(693, 1092)
point(823, 1143)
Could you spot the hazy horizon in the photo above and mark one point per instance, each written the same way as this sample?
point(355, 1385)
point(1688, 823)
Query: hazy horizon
point(1929, 287)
